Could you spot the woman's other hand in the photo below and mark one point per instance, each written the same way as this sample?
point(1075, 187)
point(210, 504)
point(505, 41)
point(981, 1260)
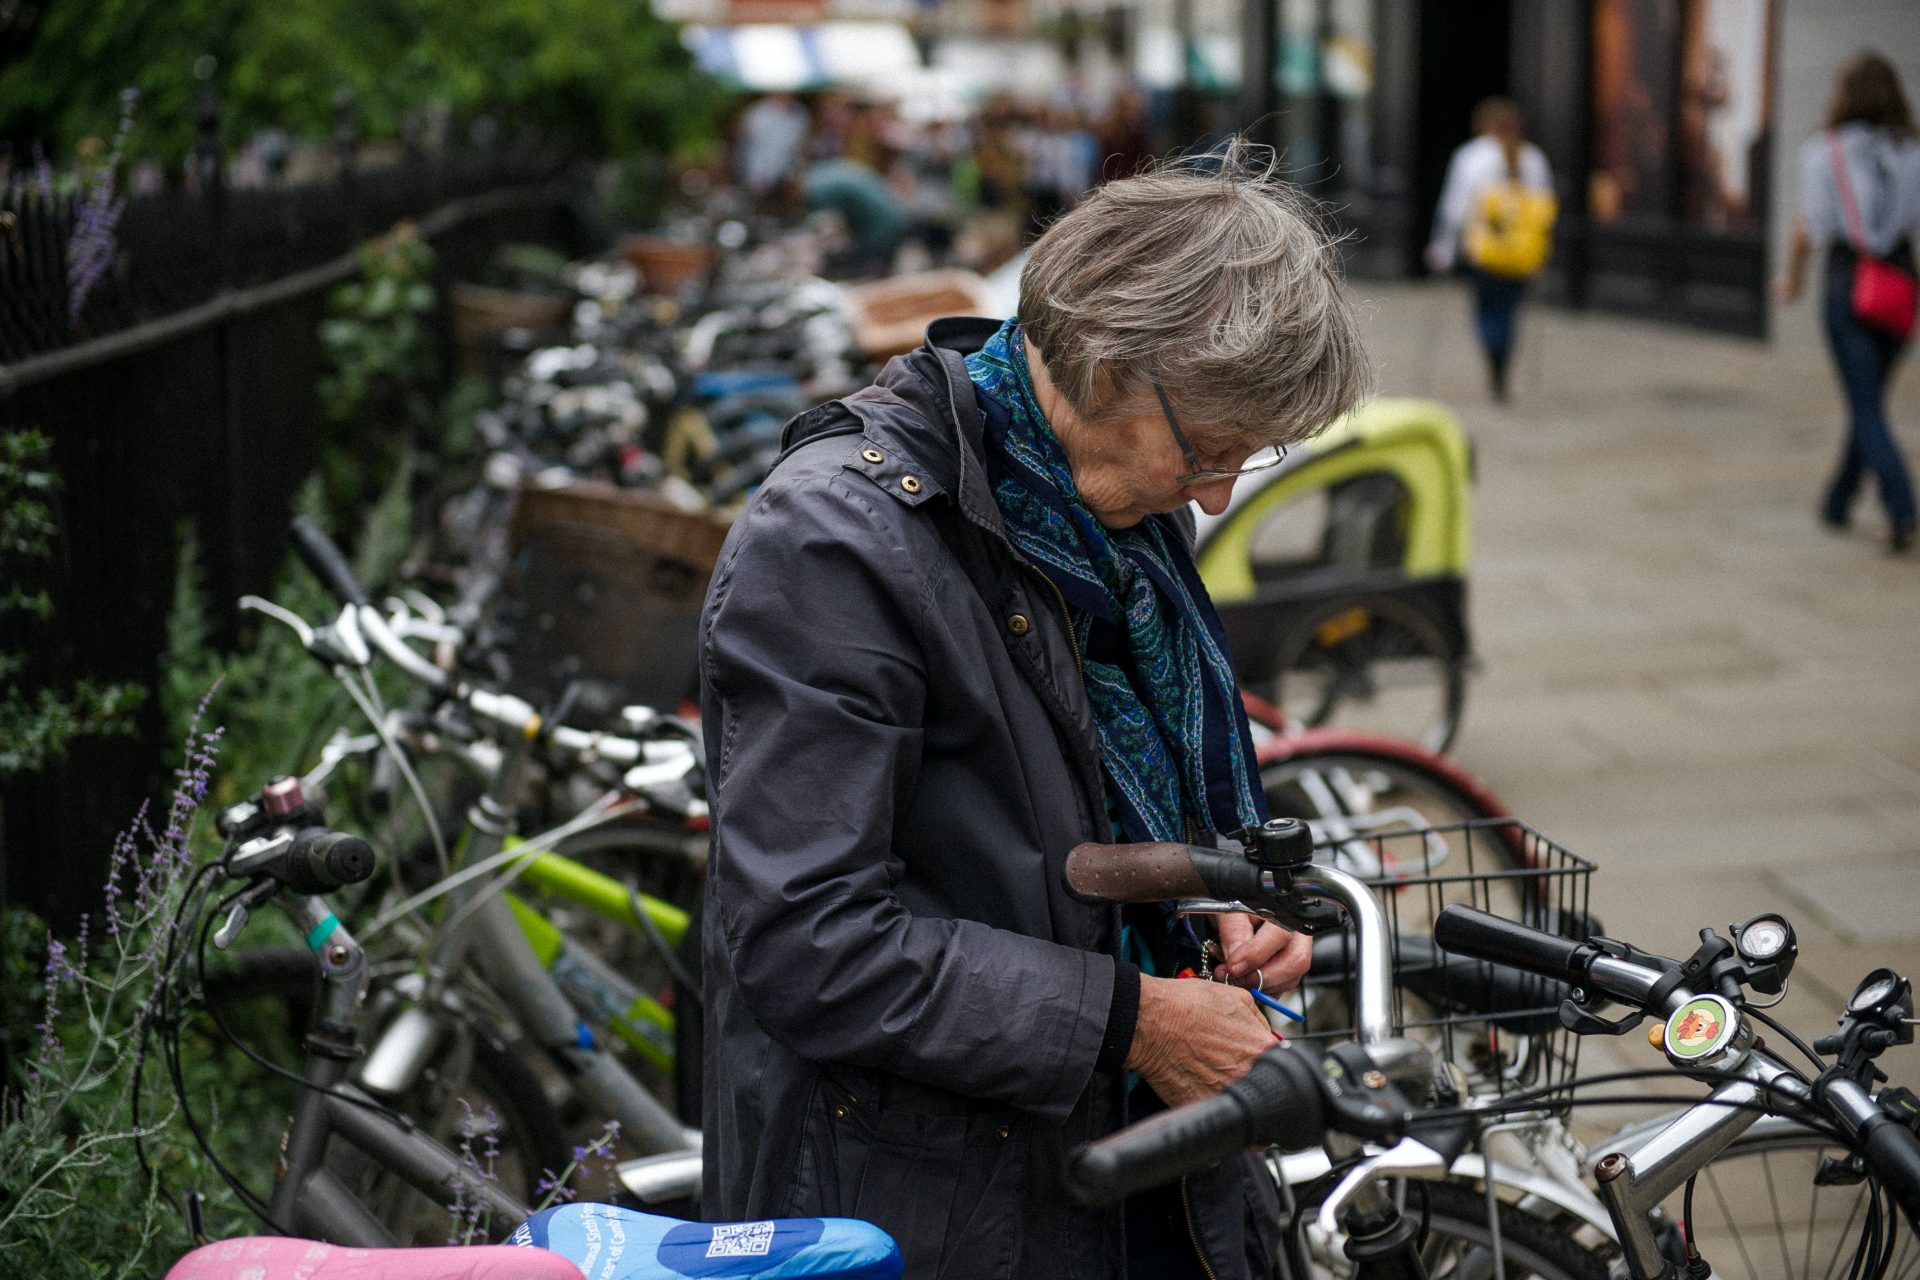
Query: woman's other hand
point(1195, 1038)
point(1258, 950)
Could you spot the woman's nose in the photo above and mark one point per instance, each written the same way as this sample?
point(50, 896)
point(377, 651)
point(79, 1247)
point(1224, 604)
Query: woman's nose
point(1212, 495)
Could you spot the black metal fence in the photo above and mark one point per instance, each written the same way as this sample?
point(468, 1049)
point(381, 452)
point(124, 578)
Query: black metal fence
point(185, 395)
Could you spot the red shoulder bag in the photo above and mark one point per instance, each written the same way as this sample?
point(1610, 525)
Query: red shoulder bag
point(1884, 296)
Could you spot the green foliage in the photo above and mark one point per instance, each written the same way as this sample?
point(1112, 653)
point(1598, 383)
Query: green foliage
point(603, 76)
point(375, 340)
point(37, 723)
point(276, 700)
point(378, 350)
point(67, 1149)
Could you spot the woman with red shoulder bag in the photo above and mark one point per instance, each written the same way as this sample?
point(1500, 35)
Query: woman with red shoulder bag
point(1860, 205)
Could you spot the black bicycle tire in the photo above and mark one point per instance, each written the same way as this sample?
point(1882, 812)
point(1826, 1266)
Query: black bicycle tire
point(1458, 1211)
point(1737, 1262)
point(1274, 773)
point(286, 975)
point(1429, 632)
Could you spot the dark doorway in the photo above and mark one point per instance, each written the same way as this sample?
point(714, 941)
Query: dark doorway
point(1465, 55)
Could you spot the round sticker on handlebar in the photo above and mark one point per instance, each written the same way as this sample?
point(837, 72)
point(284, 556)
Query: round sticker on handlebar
point(1703, 1030)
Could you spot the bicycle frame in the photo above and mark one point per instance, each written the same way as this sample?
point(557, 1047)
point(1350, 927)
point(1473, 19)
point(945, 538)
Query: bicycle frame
point(308, 1198)
point(1632, 1186)
point(483, 926)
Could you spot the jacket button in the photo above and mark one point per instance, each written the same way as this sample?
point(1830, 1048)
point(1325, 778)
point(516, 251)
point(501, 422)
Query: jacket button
point(1004, 1131)
point(910, 483)
point(1018, 624)
point(839, 1113)
point(873, 455)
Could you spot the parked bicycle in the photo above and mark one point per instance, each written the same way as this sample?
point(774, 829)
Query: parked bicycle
point(1707, 1033)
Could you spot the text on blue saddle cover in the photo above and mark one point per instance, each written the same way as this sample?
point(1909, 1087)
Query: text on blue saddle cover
point(610, 1243)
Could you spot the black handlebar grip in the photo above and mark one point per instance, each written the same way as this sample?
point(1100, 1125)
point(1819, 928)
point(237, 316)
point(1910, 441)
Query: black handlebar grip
point(321, 861)
point(1277, 1102)
point(327, 562)
point(1158, 873)
point(1894, 1153)
point(1467, 932)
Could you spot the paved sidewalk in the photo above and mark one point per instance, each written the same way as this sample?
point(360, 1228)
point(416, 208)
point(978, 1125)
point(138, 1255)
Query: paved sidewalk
point(1685, 677)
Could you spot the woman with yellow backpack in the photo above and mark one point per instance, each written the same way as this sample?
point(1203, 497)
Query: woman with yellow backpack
point(1497, 208)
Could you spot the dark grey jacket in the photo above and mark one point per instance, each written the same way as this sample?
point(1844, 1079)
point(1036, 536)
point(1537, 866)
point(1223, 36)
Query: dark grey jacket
point(904, 1003)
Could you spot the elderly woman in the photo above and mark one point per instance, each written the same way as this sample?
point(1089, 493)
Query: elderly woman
point(958, 632)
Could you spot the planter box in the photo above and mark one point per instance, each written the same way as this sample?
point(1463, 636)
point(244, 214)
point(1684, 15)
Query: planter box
point(609, 585)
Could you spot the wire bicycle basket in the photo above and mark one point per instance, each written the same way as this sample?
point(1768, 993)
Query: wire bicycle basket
point(1500, 1027)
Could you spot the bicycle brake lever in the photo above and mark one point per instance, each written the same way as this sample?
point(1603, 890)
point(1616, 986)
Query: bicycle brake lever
point(1407, 1158)
point(242, 912)
point(287, 617)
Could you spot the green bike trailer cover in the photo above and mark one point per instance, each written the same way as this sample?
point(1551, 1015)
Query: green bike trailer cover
point(610, 1243)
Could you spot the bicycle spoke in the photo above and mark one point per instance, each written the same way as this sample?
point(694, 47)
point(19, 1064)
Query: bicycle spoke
point(1726, 1213)
point(1846, 1233)
point(1813, 1210)
point(1773, 1198)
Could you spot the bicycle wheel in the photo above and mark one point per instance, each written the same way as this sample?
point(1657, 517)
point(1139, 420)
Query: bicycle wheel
point(1371, 662)
point(1459, 1244)
point(1334, 774)
point(478, 1096)
point(1759, 1214)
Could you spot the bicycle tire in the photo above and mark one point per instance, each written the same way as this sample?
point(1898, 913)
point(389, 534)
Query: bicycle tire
point(531, 1138)
point(1736, 1206)
point(1374, 662)
point(1376, 773)
point(1459, 1245)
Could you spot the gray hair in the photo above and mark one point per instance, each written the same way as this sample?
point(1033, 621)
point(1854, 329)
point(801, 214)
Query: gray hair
point(1211, 275)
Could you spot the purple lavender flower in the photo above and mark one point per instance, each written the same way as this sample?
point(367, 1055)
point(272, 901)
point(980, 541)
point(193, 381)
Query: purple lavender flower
point(91, 249)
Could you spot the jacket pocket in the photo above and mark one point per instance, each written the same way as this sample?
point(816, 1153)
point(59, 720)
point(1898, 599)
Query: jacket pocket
point(940, 1173)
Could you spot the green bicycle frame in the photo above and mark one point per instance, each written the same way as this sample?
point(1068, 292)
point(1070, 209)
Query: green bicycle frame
point(609, 997)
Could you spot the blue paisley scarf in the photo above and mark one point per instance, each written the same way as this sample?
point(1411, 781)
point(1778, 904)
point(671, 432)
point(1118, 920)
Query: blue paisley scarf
point(1174, 746)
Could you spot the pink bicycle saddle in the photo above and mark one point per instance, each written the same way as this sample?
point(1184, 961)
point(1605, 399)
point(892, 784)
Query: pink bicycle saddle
point(273, 1258)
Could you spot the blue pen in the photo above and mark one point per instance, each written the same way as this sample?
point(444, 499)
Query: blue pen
point(1275, 1005)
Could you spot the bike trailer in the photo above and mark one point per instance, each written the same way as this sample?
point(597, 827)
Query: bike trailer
point(1340, 576)
point(610, 1243)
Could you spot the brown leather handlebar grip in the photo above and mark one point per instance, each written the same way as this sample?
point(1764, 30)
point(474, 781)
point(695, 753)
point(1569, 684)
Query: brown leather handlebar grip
point(1134, 872)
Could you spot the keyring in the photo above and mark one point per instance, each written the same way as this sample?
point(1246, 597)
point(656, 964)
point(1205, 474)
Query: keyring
point(1259, 979)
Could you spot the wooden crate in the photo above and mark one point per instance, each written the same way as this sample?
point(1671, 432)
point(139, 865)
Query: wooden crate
point(667, 265)
point(890, 317)
point(609, 585)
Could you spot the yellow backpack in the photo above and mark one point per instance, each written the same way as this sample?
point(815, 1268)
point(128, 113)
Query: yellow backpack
point(1510, 230)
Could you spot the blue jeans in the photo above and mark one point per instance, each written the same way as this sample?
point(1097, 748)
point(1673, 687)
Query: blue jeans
point(1865, 358)
point(1496, 300)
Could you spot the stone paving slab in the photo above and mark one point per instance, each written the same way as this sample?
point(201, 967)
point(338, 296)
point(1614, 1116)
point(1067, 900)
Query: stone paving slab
point(1683, 676)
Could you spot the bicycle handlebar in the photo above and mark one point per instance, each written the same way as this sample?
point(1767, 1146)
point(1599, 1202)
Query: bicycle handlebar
point(323, 556)
point(314, 861)
point(505, 710)
point(1650, 983)
point(1161, 872)
point(1278, 1102)
point(1482, 936)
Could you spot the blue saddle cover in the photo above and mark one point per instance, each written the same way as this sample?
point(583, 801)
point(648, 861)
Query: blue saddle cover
point(610, 1243)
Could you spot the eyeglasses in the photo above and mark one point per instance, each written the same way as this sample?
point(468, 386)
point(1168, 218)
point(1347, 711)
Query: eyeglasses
point(1197, 474)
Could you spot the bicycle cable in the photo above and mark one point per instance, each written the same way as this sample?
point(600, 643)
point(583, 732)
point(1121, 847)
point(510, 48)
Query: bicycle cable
point(636, 902)
point(267, 1064)
point(1794, 1040)
point(371, 710)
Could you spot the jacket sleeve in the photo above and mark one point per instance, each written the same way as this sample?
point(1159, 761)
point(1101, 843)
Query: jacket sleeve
point(1450, 214)
point(815, 691)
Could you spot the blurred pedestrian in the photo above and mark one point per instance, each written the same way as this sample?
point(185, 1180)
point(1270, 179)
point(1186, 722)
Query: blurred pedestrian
point(1497, 208)
point(1860, 204)
point(877, 220)
point(772, 140)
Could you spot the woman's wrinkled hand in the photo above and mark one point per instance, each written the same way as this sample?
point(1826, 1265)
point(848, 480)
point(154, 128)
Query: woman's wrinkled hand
point(1195, 1038)
point(1275, 957)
